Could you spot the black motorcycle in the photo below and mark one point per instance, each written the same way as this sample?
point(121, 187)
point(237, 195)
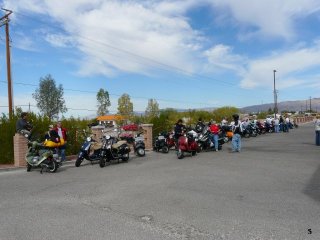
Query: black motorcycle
point(113, 149)
point(205, 142)
point(85, 150)
point(161, 143)
point(137, 143)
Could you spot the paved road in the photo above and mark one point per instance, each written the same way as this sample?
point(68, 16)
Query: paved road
point(271, 190)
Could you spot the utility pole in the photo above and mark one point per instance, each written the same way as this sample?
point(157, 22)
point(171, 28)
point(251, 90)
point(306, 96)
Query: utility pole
point(275, 94)
point(310, 104)
point(306, 105)
point(5, 21)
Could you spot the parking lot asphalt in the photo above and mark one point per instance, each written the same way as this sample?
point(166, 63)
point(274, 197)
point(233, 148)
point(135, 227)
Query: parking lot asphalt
point(271, 190)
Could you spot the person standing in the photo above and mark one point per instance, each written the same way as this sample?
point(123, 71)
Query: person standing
point(178, 131)
point(224, 121)
point(317, 129)
point(23, 126)
point(287, 123)
point(276, 125)
point(237, 130)
point(62, 132)
point(214, 129)
point(281, 124)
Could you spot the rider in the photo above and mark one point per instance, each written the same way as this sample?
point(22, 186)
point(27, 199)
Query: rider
point(200, 125)
point(23, 126)
point(178, 131)
point(52, 135)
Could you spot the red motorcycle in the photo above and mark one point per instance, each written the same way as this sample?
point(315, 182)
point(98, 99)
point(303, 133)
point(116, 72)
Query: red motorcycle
point(170, 140)
point(187, 143)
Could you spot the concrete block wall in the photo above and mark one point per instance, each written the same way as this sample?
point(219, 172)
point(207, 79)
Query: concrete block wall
point(20, 150)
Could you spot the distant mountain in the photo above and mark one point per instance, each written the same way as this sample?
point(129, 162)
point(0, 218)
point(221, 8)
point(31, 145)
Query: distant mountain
point(298, 105)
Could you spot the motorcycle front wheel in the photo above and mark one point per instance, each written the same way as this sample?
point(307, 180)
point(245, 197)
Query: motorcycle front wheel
point(102, 162)
point(28, 167)
point(180, 154)
point(78, 162)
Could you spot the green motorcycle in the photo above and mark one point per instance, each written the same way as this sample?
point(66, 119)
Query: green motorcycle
point(39, 156)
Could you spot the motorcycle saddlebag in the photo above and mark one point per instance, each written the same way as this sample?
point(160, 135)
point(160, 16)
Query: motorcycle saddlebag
point(123, 149)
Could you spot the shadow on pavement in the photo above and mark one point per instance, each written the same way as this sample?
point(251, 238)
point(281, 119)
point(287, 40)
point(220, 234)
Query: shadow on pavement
point(313, 187)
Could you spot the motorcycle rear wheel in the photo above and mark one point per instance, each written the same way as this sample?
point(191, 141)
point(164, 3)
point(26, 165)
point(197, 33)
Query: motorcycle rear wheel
point(52, 166)
point(141, 152)
point(125, 157)
point(165, 149)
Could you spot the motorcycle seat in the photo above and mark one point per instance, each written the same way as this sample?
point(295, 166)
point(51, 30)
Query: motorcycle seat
point(118, 144)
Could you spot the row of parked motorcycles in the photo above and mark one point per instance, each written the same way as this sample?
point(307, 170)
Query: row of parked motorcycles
point(192, 141)
point(108, 148)
point(200, 139)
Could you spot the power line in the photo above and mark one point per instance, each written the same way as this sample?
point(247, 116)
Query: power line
point(112, 94)
point(128, 52)
point(137, 56)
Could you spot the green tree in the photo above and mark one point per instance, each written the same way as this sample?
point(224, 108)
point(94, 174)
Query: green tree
point(103, 102)
point(262, 115)
point(125, 106)
point(226, 111)
point(152, 109)
point(49, 97)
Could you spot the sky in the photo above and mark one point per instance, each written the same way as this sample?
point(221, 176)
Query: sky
point(188, 54)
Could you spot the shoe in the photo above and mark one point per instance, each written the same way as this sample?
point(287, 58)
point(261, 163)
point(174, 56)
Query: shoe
point(217, 150)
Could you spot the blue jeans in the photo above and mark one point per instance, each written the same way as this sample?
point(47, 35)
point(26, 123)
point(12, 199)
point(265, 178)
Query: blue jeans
point(276, 128)
point(214, 139)
point(318, 138)
point(236, 142)
point(62, 153)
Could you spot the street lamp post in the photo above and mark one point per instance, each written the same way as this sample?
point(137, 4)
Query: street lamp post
point(275, 94)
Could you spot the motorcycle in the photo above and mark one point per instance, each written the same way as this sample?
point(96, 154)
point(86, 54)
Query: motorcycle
point(227, 131)
point(85, 150)
point(39, 156)
point(187, 143)
point(113, 149)
point(252, 129)
point(260, 128)
point(269, 127)
point(205, 141)
point(161, 143)
point(137, 143)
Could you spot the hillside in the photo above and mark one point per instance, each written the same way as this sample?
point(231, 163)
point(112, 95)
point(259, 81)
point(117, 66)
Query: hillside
point(298, 105)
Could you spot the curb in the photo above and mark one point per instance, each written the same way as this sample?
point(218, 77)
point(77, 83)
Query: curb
point(7, 167)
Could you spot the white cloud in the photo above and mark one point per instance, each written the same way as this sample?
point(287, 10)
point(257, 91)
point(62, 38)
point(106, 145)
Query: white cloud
point(109, 31)
point(59, 40)
point(221, 58)
point(269, 17)
point(260, 72)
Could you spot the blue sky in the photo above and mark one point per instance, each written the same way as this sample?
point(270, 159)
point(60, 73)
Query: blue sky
point(184, 54)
